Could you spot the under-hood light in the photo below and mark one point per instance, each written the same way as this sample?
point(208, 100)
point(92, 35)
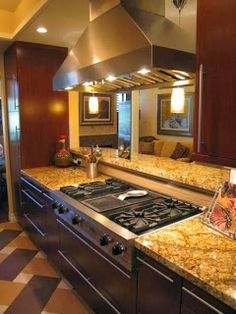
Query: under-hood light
point(111, 78)
point(144, 71)
point(68, 88)
point(88, 83)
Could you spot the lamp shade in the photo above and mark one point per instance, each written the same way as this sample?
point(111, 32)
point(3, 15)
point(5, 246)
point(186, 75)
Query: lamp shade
point(93, 105)
point(177, 100)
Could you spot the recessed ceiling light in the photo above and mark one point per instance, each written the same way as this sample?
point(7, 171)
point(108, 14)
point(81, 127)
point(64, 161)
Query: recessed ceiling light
point(41, 30)
point(68, 88)
point(144, 71)
point(111, 78)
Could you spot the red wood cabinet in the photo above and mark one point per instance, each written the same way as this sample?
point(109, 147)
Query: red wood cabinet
point(215, 110)
point(37, 115)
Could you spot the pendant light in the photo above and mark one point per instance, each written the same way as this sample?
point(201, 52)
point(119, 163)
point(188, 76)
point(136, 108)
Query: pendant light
point(93, 105)
point(177, 100)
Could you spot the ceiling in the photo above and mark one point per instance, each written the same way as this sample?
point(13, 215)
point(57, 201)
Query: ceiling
point(9, 5)
point(64, 19)
point(67, 19)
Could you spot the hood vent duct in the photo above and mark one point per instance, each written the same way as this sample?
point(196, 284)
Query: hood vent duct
point(122, 38)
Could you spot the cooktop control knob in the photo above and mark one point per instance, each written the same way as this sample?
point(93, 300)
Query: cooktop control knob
point(56, 205)
point(118, 248)
point(76, 219)
point(105, 239)
point(62, 209)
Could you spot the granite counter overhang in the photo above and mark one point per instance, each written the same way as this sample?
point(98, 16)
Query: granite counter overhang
point(188, 175)
point(198, 254)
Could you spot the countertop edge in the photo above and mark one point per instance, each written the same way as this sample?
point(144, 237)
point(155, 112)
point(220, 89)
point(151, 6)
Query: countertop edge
point(37, 182)
point(224, 298)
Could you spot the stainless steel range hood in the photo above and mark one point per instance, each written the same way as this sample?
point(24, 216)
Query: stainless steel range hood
point(123, 37)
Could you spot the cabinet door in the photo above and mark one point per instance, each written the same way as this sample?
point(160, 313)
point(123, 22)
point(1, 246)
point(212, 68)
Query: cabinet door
point(159, 289)
point(215, 112)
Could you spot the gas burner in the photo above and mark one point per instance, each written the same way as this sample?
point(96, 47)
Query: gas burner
point(95, 189)
point(161, 211)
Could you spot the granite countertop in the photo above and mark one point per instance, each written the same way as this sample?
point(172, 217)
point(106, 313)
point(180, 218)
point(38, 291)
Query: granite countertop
point(197, 253)
point(203, 177)
point(53, 178)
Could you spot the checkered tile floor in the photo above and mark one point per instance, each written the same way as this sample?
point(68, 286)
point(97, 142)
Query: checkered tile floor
point(28, 283)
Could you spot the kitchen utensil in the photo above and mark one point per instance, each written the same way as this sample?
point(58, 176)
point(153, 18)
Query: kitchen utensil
point(134, 193)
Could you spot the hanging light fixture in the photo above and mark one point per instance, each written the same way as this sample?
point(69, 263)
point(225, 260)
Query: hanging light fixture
point(177, 100)
point(179, 4)
point(93, 105)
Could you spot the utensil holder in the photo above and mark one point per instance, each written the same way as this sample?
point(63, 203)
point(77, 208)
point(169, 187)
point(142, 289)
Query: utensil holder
point(92, 170)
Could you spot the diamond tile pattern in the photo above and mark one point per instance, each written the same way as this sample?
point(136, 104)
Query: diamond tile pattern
point(28, 282)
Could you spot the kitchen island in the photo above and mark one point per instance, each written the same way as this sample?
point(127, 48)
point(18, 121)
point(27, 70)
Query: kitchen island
point(198, 254)
point(188, 248)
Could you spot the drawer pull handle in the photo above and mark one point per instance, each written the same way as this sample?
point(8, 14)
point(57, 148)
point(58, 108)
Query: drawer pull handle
point(202, 301)
point(32, 199)
point(92, 248)
point(156, 270)
point(88, 282)
point(31, 185)
point(34, 225)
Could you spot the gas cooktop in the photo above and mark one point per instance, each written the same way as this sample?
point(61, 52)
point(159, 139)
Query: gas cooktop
point(138, 214)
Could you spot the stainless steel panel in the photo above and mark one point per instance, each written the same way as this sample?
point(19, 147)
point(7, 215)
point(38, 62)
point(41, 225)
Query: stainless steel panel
point(123, 40)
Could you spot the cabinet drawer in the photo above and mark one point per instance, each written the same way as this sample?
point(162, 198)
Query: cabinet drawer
point(195, 301)
point(107, 279)
point(159, 289)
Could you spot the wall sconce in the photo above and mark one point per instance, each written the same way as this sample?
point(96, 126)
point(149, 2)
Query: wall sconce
point(93, 105)
point(177, 100)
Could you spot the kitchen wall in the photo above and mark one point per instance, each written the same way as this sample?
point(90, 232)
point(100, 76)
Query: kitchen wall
point(74, 119)
point(76, 130)
point(6, 141)
point(148, 113)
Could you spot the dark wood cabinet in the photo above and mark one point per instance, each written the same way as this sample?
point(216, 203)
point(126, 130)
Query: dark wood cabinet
point(162, 291)
point(195, 301)
point(106, 288)
point(37, 115)
point(37, 217)
point(159, 289)
point(215, 110)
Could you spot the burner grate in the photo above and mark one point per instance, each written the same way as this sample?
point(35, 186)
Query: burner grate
point(144, 217)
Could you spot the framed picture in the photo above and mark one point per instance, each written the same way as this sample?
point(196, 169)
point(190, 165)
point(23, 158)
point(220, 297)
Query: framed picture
point(175, 123)
point(104, 114)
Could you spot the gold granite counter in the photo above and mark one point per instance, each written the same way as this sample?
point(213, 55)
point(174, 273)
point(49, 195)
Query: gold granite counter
point(194, 175)
point(197, 253)
point(53, 178)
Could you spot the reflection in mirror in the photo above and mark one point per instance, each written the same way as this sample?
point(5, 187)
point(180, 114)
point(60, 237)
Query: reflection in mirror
point(155, 109)
point(124, 124)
